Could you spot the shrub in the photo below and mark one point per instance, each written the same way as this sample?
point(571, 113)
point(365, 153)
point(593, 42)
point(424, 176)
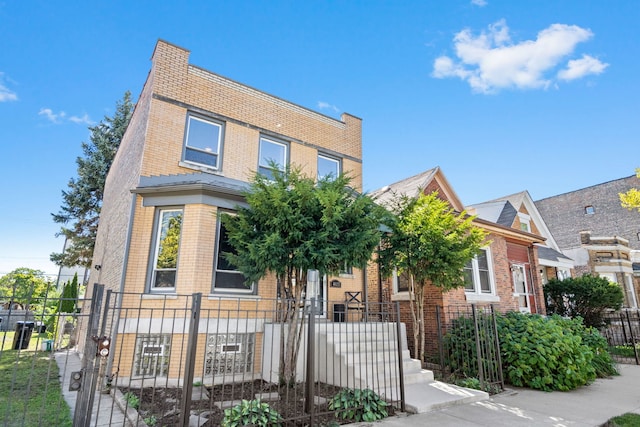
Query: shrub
point(602, 361)
point(539, 353)
point(358, 405)
point(132, 400)
point(251, 412)
point(587, 297)
point(460, 348)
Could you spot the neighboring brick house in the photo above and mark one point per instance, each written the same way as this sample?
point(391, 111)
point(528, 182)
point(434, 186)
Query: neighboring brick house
point(602, 237)
point(194, 142)
point(519, 211)
point(505, 274)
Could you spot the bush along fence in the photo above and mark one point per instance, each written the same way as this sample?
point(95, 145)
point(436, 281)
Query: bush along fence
point(622, 331)
point(179, 359)
point(468, 348)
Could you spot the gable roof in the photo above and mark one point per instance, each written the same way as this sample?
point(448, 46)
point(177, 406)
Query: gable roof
point(414, 185)
point(504, 211)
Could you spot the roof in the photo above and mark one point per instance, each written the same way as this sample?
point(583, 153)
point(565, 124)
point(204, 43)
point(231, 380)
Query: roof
point(181, 182)
point(501, 212)
point(565, 214)
point(412, 187)
point(545, 252)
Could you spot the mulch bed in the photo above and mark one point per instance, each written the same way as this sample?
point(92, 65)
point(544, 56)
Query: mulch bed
point(163, 404)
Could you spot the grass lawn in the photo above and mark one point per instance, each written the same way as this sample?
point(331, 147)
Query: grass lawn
point(624, 420)
point(30, 390)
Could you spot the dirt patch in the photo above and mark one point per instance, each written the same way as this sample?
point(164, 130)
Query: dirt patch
point(160, 406)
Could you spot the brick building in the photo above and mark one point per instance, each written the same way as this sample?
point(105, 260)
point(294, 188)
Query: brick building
point(194, 142)
point(601, 236)
point(506, 274)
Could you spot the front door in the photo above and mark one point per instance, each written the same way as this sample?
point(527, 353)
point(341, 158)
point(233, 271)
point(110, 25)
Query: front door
point(520, 286)
point(316, 288)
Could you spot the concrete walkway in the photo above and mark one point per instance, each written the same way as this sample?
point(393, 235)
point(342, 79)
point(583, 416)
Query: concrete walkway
point(105, 410)
point(586, 407)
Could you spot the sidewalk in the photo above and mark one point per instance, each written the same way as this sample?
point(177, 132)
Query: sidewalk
point(586, 407)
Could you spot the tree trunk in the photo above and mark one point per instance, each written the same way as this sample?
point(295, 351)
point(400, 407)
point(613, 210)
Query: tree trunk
point(294, 329)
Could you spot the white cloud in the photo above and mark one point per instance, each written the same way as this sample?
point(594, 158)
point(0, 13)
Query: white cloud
point(81, 120)
point(6, 94)
point(479, 3)
point(51, 116)
point(578, 68)
point(490, 61)
point(326, 106)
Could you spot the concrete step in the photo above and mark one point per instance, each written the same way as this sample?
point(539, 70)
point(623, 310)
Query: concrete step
point(429, 396)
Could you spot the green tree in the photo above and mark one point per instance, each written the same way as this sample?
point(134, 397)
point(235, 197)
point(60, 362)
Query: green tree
point(292, 225)
point(82, 201)
point(432, 243)
point(25, 286)
point(586, 296)
point(631, 199)
point(69, 299)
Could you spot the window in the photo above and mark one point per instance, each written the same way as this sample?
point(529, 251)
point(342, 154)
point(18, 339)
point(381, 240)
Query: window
point(525, 222)
point(202, 142)
point(477, 274)
point(271, 153)
point(226, 277)
point(346, 269)
point(328, 167)
point(589, 210)
point(166, 249)
point(401, 281)
point(151, 355)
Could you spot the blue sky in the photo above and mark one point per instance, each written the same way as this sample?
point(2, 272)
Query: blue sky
point(504, 96)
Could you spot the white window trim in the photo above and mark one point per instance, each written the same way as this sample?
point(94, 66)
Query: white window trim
point(476, 294)
point(218, 151)
point(526, 220)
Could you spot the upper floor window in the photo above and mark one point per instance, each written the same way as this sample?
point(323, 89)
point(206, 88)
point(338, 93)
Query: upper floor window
point(525, 222)
point(328, 167)
point(226, 277)
point(202, 142)
point(589, 210)
point(477, 274)
point(346, 269)
point(166, 249)
point(272, 153)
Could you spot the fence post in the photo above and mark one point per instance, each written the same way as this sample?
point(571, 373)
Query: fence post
point(400, 365)
point(440, 341)
point(86, 394)
point(498, 356)
point(310, 368)
point(190, 361)
point(478, 347)
point(633, 341)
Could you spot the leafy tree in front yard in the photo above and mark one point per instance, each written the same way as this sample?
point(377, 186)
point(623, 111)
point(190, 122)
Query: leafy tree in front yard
point(292, 225)
point(586, 296)
point(433, 243)
point(82, 201)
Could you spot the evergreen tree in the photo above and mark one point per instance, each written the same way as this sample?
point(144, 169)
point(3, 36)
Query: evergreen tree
point(82, 201)
point(69, 298)
point(294, 224)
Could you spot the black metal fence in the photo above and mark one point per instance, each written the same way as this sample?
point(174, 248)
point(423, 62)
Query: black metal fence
point(622, 331)
point(468, 346)
point(180, 359)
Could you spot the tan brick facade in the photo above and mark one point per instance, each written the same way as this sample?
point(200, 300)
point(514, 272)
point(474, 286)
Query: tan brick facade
point(153, 148)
